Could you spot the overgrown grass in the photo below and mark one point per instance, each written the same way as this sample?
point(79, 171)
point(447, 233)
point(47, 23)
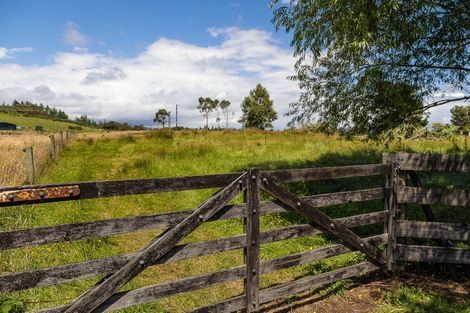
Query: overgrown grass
point(159, 154)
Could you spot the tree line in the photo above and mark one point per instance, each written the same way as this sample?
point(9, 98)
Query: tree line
point(257, 110)
point(31, 109)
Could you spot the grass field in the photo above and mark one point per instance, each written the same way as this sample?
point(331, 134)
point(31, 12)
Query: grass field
point(161, 154)
point(30, 122)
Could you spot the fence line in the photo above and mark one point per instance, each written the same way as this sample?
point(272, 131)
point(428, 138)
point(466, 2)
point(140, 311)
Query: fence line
point(382, 251)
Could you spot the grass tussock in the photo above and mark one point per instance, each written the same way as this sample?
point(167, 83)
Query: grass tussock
point(12, 160)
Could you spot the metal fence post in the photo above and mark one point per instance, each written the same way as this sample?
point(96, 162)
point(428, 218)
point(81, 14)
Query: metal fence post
point(252, 228)
point(30, 164)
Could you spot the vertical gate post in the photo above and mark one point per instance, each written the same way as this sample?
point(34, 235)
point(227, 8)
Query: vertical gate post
point(252, 228)
point(30, 164)
point(393, 214)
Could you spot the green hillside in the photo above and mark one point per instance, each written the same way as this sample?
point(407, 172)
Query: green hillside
point(31, 122)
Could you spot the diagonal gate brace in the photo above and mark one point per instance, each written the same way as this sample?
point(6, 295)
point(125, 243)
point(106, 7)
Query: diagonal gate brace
point(322, 221)
point(156, 249)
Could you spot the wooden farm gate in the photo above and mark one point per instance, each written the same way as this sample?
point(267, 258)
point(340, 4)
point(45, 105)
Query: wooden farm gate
point(381, 250)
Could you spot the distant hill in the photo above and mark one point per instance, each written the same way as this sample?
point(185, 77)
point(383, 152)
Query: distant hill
point(48, 124)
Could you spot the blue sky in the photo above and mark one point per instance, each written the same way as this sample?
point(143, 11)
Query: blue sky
point(124, 27)
point(124, 60)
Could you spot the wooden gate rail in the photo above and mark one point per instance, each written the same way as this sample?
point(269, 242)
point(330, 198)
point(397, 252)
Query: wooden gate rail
point(68, 232)
point(439, 233)
point(146, 294)
point(73, 271)
point(165, 248)
point(429, 162)
point(9, 196)
point(457, 197)
point(291, 288)
point(322, 221)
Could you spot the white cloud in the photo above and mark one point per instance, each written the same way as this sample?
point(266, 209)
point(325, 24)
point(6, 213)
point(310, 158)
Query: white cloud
point(73, 37)
point(9, 52)
point(166, 73)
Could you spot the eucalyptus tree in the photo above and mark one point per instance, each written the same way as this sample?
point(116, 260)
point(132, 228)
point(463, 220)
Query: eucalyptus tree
point(161, 117)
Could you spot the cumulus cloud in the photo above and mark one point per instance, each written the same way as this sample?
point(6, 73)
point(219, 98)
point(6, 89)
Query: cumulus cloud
point(9, 52)
point(73, 37)
point(114, 73)
point(167, 72)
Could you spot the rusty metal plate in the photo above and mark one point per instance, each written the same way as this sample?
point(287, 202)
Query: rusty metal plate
point(26, 195)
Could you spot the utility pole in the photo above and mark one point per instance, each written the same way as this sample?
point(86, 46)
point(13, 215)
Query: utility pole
point(176, 116)
point(169, 119)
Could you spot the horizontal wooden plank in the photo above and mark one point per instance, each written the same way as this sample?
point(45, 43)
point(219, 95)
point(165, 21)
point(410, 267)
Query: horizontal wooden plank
point(58, 233)
point(457, 197)
point(413, 253)
point(102, 189)
point(73, 271)
point(321, 173)
point(429, 162)
point(433, 230)
point(287, 289)
point(146, 294)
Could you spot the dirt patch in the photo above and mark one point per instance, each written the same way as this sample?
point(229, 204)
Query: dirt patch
point(366, 295)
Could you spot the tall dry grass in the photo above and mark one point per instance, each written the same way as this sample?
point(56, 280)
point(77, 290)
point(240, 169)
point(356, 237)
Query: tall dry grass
point(12, 157)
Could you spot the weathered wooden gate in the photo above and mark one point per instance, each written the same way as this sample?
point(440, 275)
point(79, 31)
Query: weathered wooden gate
point(381, 250)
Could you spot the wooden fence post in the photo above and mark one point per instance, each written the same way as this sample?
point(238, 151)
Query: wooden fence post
point(61, 141)
point(252, 228)
point(393, 214)
point(54, 147)
point(30, 164)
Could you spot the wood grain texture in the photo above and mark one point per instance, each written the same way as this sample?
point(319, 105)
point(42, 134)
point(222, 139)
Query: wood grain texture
point(433, 230)
point(62, 273)
point(429, 162)
point(430, 254)
point(133, 297)
point(322, 221)
point(287, 289)
point(67, 232)
point(155, 250)
point(457, 197)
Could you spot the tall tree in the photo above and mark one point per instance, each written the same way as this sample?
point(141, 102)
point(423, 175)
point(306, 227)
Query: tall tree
point(205, 106)
point(344, 47)
point(257, 109)
point(461, 118)
point(224, 106)
point(161, 117)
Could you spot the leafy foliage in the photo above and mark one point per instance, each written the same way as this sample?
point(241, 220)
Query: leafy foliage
point(461, 118)
point(205, 106)
point(161, 117)
point(372, 66)
point(257, 109)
